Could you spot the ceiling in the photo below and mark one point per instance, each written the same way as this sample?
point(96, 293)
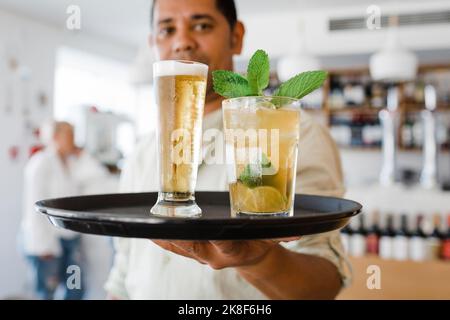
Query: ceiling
point(126, 22)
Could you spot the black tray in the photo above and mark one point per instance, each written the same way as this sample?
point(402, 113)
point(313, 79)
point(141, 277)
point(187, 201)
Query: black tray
point(128, 215)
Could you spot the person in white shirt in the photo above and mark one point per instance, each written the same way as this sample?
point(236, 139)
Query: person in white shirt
point(311, 267)
point(59, 170)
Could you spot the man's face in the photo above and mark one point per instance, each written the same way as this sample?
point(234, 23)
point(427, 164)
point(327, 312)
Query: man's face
point(64, 138)
point(195, 30)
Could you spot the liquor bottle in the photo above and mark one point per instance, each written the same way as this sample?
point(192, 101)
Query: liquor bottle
point(357, 242)
point(445, 250)
point(373, 234)
point(417, 241)
point(386, 238)
point(378, 96)
point(419, 93)
point(401, 238)
point(407, 133)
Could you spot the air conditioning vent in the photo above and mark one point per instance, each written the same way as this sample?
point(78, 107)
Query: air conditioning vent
point(414, 19)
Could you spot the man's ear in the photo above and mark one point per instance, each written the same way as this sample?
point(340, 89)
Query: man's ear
point(150, 40)
point(151, 44)
point(237, 38)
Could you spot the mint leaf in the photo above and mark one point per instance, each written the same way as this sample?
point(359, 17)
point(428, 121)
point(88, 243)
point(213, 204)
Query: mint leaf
point(230, 85)
point(250, 178)
point(302, 84)
point(278, 102)
point(258, 72)
point(265, 162)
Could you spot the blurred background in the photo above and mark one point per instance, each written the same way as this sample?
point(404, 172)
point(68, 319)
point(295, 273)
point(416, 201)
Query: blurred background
point(386, 103)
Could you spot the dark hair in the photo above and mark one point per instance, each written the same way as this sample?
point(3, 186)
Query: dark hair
point(226, 7)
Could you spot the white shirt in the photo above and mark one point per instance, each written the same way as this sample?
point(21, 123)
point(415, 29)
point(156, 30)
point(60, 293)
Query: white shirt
point(142, 270)
point(46, 177)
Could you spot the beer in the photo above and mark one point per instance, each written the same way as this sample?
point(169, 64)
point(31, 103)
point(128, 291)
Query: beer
point(180, 88)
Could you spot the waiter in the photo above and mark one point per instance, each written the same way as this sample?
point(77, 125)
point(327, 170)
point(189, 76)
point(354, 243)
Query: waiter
point(313, 267)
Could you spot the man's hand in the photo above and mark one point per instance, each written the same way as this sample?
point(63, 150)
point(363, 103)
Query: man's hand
point(77, 151)
point(275, 271)
point(223, 254)
point(47, 257)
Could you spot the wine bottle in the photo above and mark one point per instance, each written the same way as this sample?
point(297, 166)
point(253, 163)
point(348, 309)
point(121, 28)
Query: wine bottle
point(445, 250)
point(358, 239)
point(401, 238)
point(373, 234)
point(386, 238)
point(407, 133)
point(346, 233)
point(435, 239)
point(417, 241)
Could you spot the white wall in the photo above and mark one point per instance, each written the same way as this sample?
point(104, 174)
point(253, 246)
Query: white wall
point(361, 172)
point(362, 168)
point(38, 54)
point(280, 34)
point(35, 46)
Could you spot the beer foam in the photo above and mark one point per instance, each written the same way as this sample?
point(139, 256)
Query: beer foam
point(179, 68)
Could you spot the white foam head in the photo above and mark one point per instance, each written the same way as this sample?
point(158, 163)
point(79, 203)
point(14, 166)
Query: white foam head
point(179, 68)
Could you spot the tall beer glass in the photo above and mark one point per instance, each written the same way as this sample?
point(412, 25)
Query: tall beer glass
point(180, 88)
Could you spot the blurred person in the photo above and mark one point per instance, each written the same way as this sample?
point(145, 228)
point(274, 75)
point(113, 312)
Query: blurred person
point(60, 170)
point(312, 267)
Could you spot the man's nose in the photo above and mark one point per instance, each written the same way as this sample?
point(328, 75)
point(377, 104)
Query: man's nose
point(184, 42)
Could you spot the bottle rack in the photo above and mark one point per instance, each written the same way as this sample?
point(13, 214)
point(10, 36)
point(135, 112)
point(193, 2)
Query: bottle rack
point(414, 237)
point(350, 101)
point(408, 257)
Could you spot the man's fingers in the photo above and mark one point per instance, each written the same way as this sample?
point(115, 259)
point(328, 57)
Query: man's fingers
point(228, 247)
point(167, 245)
point(287, 239)
point(198, 249)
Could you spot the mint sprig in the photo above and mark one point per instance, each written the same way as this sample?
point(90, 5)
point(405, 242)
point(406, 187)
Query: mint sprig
point(230, 85)
point(258, 72)
point(302, 84)
point(252, 174)
point(265, 162)
point(250, 177)
point(233, 85)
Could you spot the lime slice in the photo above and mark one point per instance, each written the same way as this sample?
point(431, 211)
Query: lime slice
point(266, 104)
point(264, 199)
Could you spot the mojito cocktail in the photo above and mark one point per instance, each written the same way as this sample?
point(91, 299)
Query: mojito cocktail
point(261, 135)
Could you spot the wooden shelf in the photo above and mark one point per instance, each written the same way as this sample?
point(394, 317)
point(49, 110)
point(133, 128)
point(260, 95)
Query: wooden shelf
point(360, 148)
point(362, 109)
point(417, 149)
point(349, 72)
point(400, 149)
point(402, 108)
point(314, 110)
point(399, 280)
point(406, 107)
